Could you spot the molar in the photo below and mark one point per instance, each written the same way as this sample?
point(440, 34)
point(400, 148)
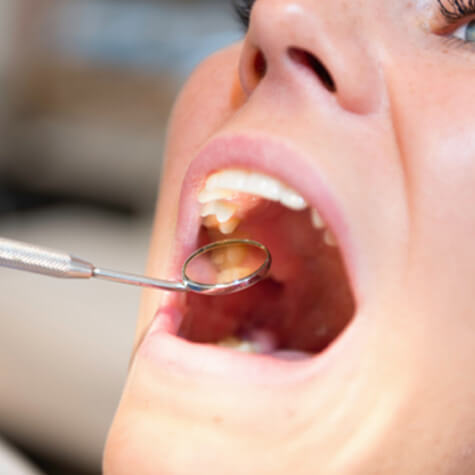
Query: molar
point(329, 238)
point(317, 220)
point(229, 226)
point(233, 273)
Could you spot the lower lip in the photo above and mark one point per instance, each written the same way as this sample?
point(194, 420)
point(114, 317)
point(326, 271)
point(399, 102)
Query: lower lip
point(169, 353)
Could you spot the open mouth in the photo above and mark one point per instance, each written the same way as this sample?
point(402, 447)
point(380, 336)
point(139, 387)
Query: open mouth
point(306, 301)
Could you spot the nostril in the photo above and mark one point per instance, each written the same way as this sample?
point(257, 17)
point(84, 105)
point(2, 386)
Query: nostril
point(311, 62)
point(252, 68)
point(260, 65)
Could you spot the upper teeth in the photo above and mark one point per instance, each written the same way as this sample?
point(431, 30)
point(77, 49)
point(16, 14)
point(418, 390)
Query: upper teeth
point(317, 220)
point(221, 209)
point(220, 187)
point(207, 196)
point(252, 183)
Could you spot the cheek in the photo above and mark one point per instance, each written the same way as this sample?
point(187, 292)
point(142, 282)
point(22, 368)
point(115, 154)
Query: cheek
point(443, 197)
point(207, 100)
point(450, 169)
point(443, 172)
point(210, 96)
point(438, 148)
point(433, 110)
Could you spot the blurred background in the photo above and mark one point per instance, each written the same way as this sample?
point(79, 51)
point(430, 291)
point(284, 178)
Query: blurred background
point(86, 87)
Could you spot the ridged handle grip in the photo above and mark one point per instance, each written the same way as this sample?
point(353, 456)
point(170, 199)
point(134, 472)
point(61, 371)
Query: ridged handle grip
point(22, 256)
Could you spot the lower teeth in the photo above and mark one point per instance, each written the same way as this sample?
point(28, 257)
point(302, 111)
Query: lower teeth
point(244, 346)
point(256, 341)
point(233, 343)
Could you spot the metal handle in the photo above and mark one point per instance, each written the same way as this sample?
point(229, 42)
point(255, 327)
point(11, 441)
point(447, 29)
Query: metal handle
point(22, 256)
point(44, 261)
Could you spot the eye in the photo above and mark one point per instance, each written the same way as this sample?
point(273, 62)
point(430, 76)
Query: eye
point(242, 9)
point(466, 32)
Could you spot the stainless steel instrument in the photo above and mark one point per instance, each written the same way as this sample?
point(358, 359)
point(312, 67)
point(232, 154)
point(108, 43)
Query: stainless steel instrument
point(200, 272)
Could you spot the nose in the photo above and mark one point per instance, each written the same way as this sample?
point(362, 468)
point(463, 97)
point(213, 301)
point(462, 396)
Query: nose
point(316, 42)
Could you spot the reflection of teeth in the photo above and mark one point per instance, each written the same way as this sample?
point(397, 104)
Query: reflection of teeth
point(235, 255)
point(256, 184)
point(229, 256)
point(329, 238)
point(221, 209)
point(317, 220)
point(218, 257)
point(227, 276)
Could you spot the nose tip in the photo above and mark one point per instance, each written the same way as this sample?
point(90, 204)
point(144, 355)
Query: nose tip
point(290, 39)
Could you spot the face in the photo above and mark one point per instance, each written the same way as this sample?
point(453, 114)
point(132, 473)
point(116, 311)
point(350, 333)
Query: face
point(339, 134)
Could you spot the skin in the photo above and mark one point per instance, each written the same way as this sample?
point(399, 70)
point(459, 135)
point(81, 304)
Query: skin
point(396, 143)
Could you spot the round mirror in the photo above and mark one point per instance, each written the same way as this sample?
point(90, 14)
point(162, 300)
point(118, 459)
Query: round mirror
point(224, 267)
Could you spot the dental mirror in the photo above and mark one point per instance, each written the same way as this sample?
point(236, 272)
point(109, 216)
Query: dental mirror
point(220, 268)
point(226, 267)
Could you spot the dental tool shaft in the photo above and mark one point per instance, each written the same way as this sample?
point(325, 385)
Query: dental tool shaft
point(44, 261)
point(141, 281)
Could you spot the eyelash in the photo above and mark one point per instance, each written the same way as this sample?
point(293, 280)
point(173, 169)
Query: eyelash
point(242, 9)
point(459, 9)
point(454, 13)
